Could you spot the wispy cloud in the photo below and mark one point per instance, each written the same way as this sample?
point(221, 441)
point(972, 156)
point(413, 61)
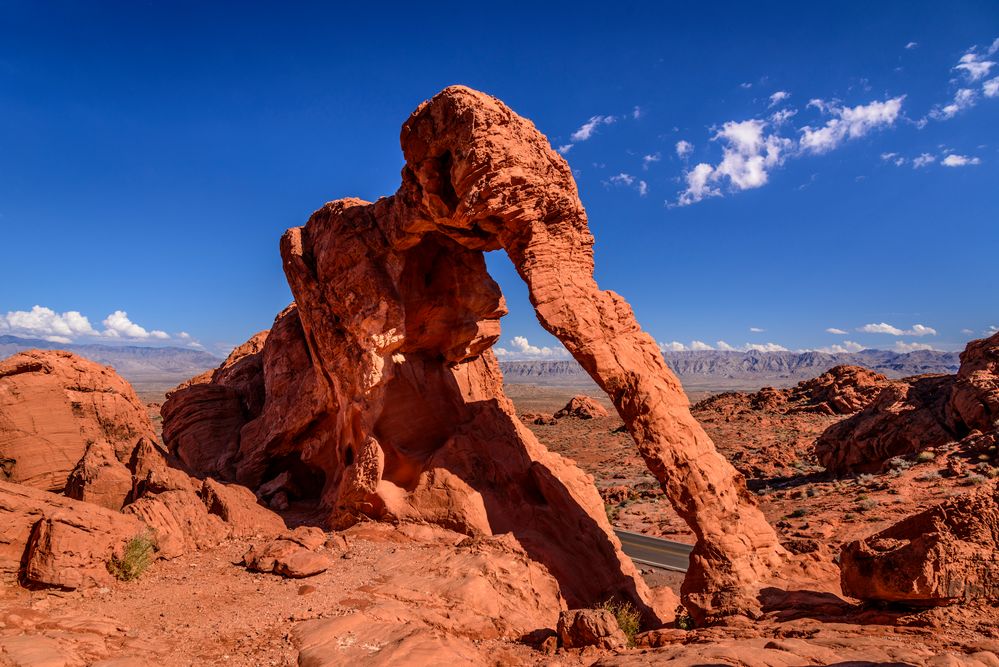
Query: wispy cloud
point(834, 330)
point(779, 97)
point(756, 330)
point(923, 160)
point(912, 45)
point(904, 347)
point(588, 128)
point(954, 160)
point(848, 123)
point(964, 98)
point(846, 347)
point(684, 148)
point(894, 158)
point(650, 159)
point(974, 65)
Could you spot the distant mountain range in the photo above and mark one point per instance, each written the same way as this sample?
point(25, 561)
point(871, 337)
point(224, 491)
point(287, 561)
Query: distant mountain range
point(164, 366)
point(716, 369)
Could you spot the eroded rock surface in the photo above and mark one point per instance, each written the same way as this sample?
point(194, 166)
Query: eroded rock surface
point(51, 540)
point(918, 413)
point(53, 406)
point(945, 554)
point(581, 407)
point(380, 392)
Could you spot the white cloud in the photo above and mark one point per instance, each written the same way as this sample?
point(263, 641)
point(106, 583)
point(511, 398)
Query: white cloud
point(745, 86)
point(902, 346)
point(672, 346)
point(69, 326)
point(779, 97)
point(587, 129)
point(684, 148)
point(885, 328)
point(747, 156)
point(894, 158)
point(649, 159)
point(756, 329)
point(699, 346)
point(974, 65)
point(849, 123)
point(564, 149)
point(725, 347)
point(964, 98)
point(622, 179)
point(780, 117)
point(643, 188)
point(967, 331)
point(697, 185)
point(991, 87)
point(765, 347)
point(912, 45)
point(636, 113)
point(521, 348)
point(923, 160)
point(41, 321)
point(954, 160)
point(834, 330)
point(847, 347)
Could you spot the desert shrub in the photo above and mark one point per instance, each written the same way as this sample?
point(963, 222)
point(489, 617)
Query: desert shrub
point(865, 479)
point(899, 463)
point(612, 512)
point(973, 480)
point(683, 621)
point(925, 457)
point(798, 513)
point(931, 476)
point(867, 504)
point(628, 618)
point(849, 516)
point(136, 557)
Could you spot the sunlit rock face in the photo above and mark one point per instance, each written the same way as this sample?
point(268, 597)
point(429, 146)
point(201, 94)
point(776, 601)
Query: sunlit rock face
point(378, 393)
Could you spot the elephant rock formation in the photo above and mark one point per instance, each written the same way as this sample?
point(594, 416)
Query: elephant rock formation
point(378, 393)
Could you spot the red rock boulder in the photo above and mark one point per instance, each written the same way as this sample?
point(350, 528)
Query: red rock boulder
point(581, 407)
point(946, 554)
point(50, 540)
point(53, 406)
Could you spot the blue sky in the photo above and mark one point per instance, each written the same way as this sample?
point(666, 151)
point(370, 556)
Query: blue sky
point(838, 171)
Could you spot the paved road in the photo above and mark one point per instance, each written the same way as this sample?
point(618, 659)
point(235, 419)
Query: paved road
point(655, 551)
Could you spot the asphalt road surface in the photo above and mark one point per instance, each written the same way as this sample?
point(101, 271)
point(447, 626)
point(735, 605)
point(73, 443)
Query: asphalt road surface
point(655, 551)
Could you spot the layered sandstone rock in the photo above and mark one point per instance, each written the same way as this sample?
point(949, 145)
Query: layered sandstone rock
point(918, 413)
point(974, 399)
point(433, 607)
point(906, 418)
point(945, 554)
point(581, 407)
point(53, 406)
point(841, 390)
point(381, 394)
point(51, 540)
point(578, 628)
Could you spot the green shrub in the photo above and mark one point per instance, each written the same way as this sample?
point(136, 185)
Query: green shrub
point(628, 618)
point(136, 557)
point(798, 513)
point(683, 621)
point(925, 457)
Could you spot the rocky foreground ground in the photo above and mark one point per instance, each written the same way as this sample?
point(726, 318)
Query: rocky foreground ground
point(354, 487)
